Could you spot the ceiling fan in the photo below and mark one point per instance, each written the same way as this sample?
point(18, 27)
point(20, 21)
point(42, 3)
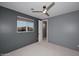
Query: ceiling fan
point(45, 9)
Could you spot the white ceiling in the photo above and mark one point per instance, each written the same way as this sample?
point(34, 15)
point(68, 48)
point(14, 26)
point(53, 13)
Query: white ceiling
point(58, 9)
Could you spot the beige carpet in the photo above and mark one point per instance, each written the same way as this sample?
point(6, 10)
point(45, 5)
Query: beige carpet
point(43, 49)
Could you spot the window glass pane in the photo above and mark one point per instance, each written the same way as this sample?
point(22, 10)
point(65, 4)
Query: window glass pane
point(23, 25)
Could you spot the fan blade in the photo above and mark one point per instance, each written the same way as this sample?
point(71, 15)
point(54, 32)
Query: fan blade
point(47, 14)
point(50, 5)
point(37, 11)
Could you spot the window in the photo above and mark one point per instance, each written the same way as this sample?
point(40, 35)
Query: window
point(25, 24)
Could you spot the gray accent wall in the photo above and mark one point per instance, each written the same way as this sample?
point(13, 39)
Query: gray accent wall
point(9, 38)
point(63, 30)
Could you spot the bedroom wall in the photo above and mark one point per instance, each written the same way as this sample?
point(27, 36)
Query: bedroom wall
point(9, 38)
point(64, 30)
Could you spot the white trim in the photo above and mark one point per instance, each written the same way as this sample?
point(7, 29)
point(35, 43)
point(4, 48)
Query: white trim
point(40, 35)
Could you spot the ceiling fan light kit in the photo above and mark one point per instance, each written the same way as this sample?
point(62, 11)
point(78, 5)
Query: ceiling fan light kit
point(45, 11)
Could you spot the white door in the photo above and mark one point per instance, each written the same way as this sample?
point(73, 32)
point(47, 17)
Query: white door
point(40, 35)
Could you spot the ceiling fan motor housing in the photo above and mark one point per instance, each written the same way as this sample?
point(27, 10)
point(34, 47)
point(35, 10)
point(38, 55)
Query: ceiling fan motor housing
point(44, 7)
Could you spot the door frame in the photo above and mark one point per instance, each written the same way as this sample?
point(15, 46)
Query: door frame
point(42, 30)
point(47, 29)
